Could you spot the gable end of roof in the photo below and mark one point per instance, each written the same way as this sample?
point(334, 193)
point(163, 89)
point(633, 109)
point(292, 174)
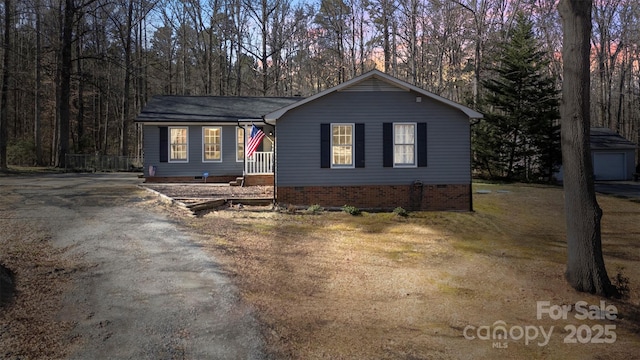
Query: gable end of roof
point(384, 81)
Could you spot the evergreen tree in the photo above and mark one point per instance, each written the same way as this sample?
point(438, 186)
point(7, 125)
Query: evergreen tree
point(519, 138)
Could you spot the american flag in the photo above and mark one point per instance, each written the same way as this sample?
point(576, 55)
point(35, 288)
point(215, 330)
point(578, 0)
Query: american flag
point(254, 140)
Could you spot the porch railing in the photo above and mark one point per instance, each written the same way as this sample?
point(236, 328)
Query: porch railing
point(260, 162)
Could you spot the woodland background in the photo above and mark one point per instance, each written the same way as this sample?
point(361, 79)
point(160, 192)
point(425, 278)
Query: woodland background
point(79, 71)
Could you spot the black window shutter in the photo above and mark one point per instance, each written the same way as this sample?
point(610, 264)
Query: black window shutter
point(387, 144)
point(359, 145)
point(164, 144)
point(422, 144)
point(325, 145)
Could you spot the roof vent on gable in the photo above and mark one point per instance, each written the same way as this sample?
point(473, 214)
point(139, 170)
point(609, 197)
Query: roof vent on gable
point(418, 99)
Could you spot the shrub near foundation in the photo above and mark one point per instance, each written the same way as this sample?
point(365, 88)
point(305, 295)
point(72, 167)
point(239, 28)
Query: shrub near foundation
point(315, 209)
point(351, 210)
point(400, 212)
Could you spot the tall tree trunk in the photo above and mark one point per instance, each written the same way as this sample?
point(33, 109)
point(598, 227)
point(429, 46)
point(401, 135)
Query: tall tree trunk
point(81, 143)
point(124, 128)
point(37, 130)
point(413, 39)
point(105, 146)
point(209, 56)
point(585, 264)
point(386, 42)
point(263, 53)
point(5, 86)
point(65, 83)
point(238, 37)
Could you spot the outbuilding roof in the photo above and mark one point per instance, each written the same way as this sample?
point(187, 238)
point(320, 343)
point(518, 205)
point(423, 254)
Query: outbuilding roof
point(606, 139)
point(185, 109)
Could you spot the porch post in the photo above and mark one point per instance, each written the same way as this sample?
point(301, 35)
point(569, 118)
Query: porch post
point(275, 144)
point(244, 150)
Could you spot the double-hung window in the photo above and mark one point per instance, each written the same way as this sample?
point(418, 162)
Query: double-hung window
point(404, 144)
point(211, 144)
point(342, 146)
point(178, 144)
point(239, 143)
point(342, 136)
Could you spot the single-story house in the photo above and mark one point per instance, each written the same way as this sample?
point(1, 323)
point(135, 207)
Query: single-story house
point(614, 157)
point(371, 142)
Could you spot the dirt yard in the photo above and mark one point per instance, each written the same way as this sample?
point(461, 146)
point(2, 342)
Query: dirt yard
point(29, 326)
point(434, 285)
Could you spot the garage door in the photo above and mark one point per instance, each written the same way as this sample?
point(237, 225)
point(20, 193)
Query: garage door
point(609, 166)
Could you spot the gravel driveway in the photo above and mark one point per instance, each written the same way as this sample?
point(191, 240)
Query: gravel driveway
point(149, 292)
point(625, 189)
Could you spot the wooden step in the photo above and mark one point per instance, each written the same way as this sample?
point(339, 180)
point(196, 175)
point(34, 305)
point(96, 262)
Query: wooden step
point(237, 182)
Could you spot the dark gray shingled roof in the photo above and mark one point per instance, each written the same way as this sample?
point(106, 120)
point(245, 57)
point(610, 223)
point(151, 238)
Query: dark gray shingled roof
point(605, 138)
point(177, 109)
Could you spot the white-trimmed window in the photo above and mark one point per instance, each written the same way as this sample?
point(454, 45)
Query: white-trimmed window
point(342, 136)
point(239, 144)
point(211, 144)
point(404, 145)
point(178, 144)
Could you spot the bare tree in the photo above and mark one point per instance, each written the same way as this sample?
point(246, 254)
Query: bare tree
point(332, 19)
point(262, 11)
point(4, 122)
point(239, 16)
point(37, 120)
point(409, 34)
point(607, 44)
point(546, 18)
point(62, 143)
point(383, 14)
point(127, 39)
point(79, 141)
point(585, 264)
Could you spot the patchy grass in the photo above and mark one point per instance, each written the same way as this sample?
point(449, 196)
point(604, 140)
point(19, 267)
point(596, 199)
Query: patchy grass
point(30, 170)
point(388, 287)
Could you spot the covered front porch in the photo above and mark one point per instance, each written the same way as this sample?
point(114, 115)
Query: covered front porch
point(258, 170)
point(259, 163)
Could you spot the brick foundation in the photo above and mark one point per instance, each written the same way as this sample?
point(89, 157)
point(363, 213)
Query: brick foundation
point(188, 179)
point(409, 197)
point(258, 180)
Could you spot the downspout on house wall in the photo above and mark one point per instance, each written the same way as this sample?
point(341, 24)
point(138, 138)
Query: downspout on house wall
point(275, 161)
point(470, 169)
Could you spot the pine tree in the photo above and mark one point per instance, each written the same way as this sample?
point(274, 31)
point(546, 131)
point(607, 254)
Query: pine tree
point(519, 138)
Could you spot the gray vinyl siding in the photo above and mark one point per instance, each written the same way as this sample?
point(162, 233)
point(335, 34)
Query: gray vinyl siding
point(372, 84)
point(195, 167)
point(298, 140)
